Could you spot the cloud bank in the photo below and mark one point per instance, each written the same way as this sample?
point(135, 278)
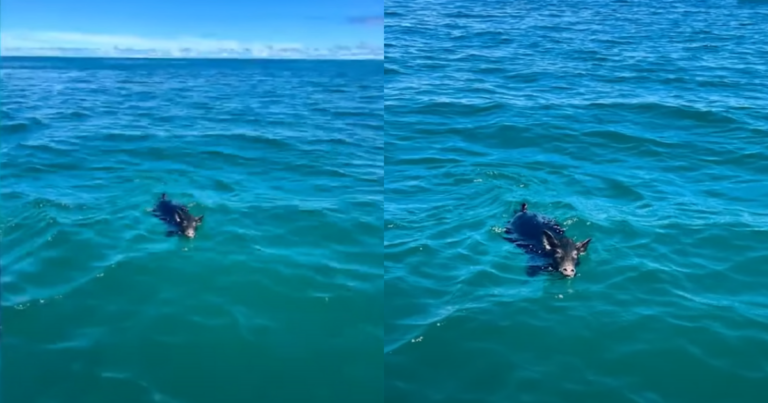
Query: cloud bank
point(95, 45)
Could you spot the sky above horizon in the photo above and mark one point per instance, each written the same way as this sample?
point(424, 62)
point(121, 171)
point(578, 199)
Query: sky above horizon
point(193, 28)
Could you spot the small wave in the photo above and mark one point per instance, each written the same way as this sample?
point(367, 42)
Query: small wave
point(15, 128)
point(666, 111)
point(21, 127)
point(80, 114)
point(391, 70)
point(455, 108)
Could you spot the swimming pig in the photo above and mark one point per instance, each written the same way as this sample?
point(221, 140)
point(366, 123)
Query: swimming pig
point(178, 217)
point(545, 239)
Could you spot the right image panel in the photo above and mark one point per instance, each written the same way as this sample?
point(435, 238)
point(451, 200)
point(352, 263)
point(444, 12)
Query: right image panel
point(575, 201)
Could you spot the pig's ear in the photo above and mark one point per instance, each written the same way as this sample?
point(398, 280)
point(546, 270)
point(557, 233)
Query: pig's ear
point(583, 245)
point(549, 241)
point(200, 219)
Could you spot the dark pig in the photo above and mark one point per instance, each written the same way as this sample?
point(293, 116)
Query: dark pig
point(177, 217)
point(545, 240)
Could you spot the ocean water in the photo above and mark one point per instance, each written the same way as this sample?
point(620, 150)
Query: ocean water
point(641, 124)
point(277, 299)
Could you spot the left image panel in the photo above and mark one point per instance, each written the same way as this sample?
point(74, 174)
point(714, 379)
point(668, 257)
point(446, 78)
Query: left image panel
point(191, 212)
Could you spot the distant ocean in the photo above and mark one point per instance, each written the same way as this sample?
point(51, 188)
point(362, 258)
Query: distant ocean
point(641, 124)
point(278, 299)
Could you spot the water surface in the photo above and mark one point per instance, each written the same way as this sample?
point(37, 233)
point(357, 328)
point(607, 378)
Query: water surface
point(640, 124)
point(278, 298)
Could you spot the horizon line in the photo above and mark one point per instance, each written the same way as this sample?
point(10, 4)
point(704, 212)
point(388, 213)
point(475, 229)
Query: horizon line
point(73, 44)
point(196, 57)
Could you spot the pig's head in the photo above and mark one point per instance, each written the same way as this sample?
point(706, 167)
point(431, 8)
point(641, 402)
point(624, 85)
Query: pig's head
point(565, 253)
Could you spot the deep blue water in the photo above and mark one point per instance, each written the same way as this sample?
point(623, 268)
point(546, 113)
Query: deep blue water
point(641, 124)
point(277, 299)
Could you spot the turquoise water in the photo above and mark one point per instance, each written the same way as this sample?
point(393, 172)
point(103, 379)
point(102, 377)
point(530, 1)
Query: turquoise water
point(278, 298)
point(641, 124)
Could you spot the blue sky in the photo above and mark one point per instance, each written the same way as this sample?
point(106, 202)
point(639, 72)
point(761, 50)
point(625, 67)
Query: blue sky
point(196, 28)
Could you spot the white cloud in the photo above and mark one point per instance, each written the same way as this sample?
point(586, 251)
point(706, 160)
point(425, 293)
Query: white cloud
point(80, 44)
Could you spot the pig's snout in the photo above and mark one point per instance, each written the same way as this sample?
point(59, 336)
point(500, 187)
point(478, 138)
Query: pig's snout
point(568, 271)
